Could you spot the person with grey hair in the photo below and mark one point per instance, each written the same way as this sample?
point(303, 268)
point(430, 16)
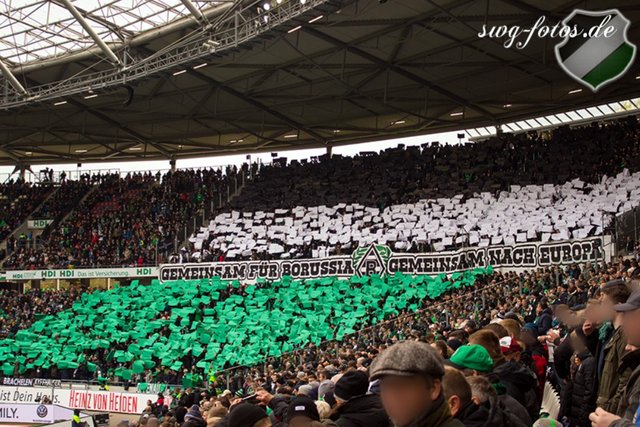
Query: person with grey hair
point(410, 374)
point(471, 410)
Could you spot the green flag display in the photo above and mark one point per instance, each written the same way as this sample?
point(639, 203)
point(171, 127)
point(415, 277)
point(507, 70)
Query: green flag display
point(242, 329)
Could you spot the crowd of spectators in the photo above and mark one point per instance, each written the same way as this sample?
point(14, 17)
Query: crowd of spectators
point(66, 197)
point(17, 200)
point(18, 310)
point(406, 175)
point(477, 357)
point(128, 221)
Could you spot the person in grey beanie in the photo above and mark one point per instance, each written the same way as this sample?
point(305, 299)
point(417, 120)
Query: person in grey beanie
point(326, 386)
point(410, 374)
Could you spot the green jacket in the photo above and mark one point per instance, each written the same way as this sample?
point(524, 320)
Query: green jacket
point(631, 401)
point(609, 390)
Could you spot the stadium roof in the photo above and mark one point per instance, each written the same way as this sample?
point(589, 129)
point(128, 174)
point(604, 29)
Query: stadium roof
point(105, 80)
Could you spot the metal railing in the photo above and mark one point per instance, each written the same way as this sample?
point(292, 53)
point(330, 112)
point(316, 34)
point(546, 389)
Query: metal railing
point(627, 231)
point(209, 209)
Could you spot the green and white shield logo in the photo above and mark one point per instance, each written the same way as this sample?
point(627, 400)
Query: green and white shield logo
point(596, 59)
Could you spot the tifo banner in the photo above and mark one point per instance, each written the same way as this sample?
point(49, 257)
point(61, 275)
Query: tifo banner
point(91, 400)
point(94, 273)
point(30, 382)
point(38, 224)
point(379, 259)
point(23, 413)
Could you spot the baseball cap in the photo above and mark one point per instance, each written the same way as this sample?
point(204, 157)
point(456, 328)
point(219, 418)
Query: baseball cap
point(472, 356)
point(509, 345)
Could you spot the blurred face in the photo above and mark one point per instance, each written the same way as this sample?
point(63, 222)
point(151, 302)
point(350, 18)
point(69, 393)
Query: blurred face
point(406, 398)
point(631, 325)
point(606, 308)
point(594, 314)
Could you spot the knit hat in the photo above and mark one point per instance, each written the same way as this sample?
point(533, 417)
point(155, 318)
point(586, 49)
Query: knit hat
point(326, 386)
point(303, 407)
point(245, 414)
point(181, 412)
point(193, 414)
point(408, 358)
point(305, 390)
point(352, 384)
point(454, 343)
point(472, 356)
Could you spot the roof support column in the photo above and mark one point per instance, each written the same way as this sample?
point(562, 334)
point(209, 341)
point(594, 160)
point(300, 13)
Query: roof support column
point(103, 46)
point(12, 79)
point(194, 10)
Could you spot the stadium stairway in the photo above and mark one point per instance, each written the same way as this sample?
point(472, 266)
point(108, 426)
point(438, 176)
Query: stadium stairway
point(94, 188)
point(24, 228)
point(199, 222)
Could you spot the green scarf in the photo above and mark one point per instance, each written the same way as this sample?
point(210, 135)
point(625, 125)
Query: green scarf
point(604, 330)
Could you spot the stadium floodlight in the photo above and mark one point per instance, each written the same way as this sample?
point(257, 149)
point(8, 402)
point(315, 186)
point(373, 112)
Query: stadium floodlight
point(575, 91)
point(93, 95)
point(59, 103)
point(303, 1)
point(506, 106)
point(459, 113)
point(266, 5)
point(177, 73)
point(294, 29)
point(399, 122)
point(81, 150)
point(200, 66)
point(317, 18)
point(292, 135)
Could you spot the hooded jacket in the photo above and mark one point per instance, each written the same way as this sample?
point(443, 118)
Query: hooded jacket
point(520, 383)
point(362, 411)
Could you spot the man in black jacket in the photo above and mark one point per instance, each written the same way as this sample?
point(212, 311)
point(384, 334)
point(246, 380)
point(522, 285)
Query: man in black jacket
point(356, 408)
point(544, 318)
